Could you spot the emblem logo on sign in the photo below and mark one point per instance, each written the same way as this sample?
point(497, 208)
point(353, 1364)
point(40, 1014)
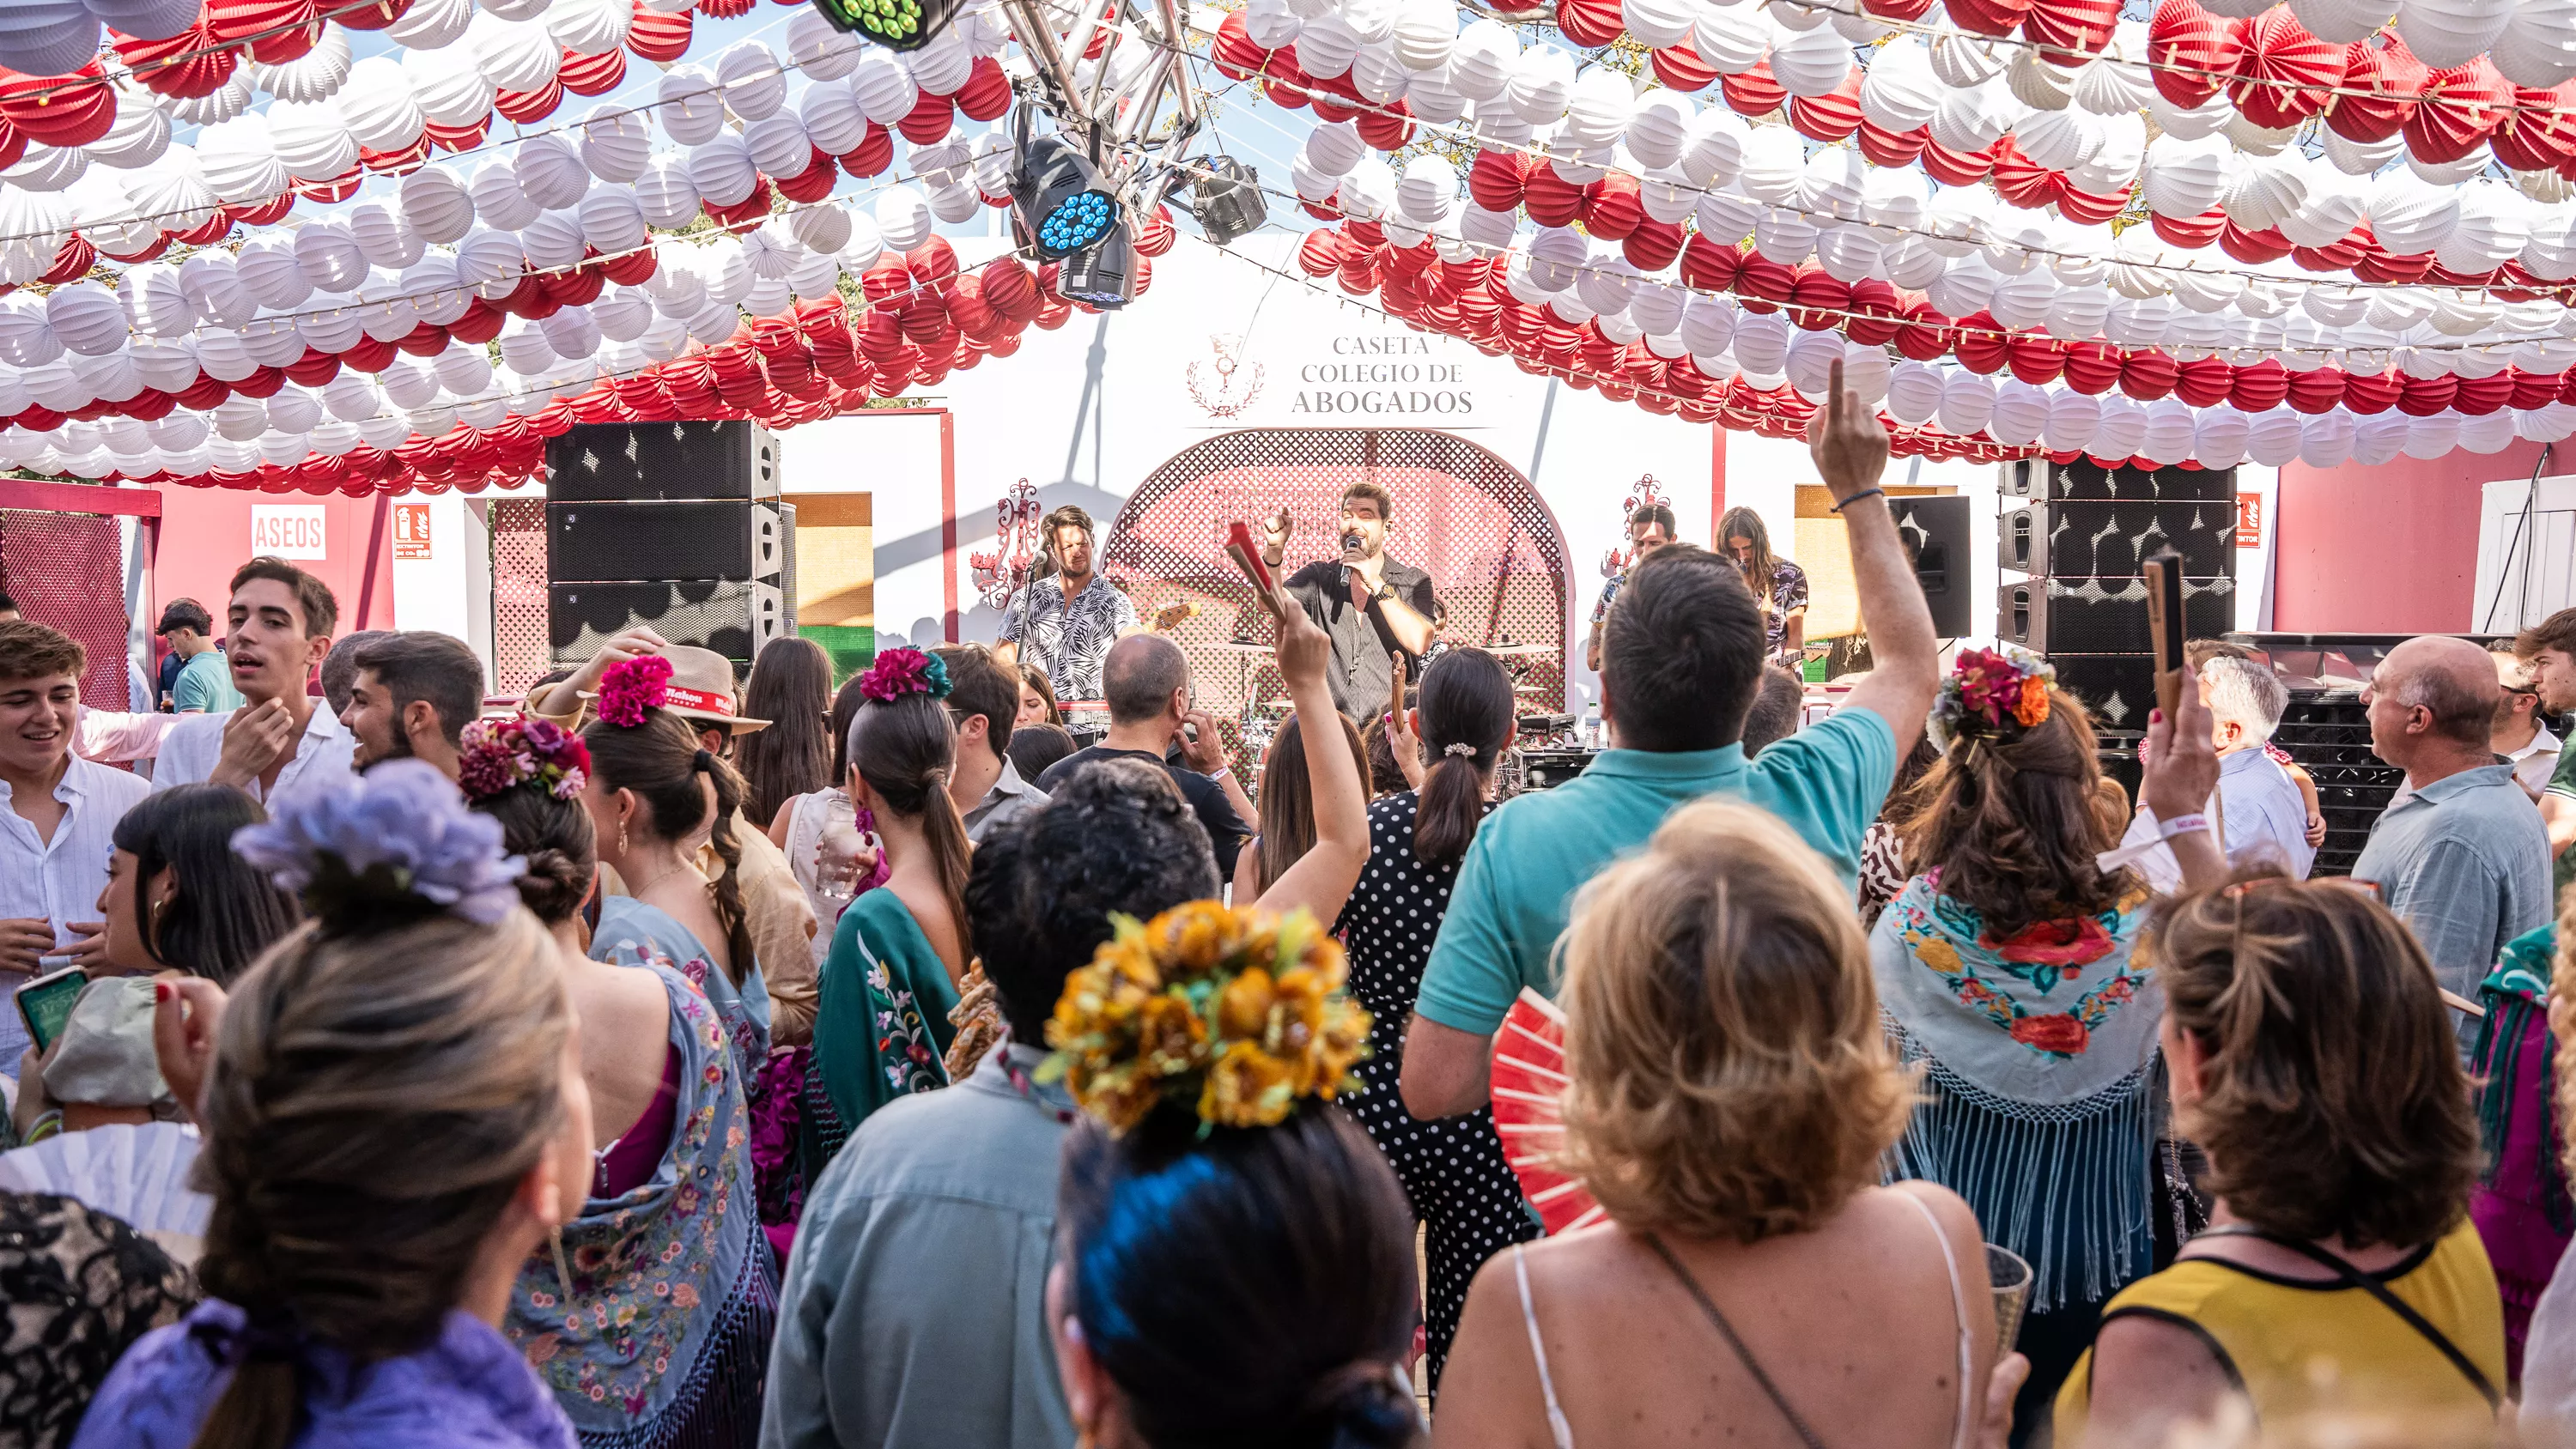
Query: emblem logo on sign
point(1234, 387)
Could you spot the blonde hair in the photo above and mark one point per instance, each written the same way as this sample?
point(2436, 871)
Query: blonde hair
point(373, 1105)
point(1730, 1078)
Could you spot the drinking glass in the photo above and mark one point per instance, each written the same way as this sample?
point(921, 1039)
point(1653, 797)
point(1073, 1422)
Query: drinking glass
point(2008, 1275)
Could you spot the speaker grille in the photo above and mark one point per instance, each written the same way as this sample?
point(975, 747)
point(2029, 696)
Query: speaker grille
point(606, 542)
point(610, 462)
point(787, 564)
point(2104, 616)
point(2079, 540)
point(731, 617)
point(2118, 688)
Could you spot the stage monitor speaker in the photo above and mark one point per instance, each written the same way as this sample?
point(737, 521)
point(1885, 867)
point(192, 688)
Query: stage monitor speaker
point(2118, 688)
point(2071, 539)
point(2104, 616)
point(729, 616)
point(1937, 527)
point(787, 564)
point(616, 462)
point(588, 543)
point(2041, 479)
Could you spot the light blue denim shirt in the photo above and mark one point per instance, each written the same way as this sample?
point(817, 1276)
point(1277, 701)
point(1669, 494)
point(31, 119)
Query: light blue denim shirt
point(2465, 863)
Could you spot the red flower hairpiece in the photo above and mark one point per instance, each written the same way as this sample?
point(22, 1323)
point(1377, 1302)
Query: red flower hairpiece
point(627, 690)
point(899, 672)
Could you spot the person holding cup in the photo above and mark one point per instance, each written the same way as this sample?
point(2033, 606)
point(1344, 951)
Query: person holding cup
point(1731, 1097)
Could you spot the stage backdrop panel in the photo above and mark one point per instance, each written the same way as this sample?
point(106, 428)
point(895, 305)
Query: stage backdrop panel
point(1491, 545)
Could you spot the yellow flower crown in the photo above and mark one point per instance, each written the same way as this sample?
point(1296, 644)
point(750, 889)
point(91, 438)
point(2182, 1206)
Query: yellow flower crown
point(1238, 1008)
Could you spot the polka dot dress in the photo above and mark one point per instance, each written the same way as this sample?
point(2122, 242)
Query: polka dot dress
point(1452, 1169)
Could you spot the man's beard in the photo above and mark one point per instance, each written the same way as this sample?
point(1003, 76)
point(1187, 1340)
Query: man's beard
point(398, 749)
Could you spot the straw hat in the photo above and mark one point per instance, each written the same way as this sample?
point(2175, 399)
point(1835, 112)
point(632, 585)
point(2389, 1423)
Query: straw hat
point(701, 689)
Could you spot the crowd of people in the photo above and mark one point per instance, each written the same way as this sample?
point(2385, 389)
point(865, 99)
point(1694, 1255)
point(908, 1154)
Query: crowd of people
point(967, 1057)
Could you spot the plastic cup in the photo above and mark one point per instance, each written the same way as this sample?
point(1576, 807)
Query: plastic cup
point(2008, 1275)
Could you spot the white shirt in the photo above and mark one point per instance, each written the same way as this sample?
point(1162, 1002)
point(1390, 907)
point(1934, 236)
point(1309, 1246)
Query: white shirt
point(114, 738)
point(2258, 811)
point(196, 742)
point(2533, 764)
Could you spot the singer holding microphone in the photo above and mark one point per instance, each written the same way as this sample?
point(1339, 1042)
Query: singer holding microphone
point(1371, 605)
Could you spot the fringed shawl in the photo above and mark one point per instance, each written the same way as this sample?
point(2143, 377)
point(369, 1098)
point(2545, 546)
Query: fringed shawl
point(673, 1297)
point(2038, 1052)
point(2521, 1205)
point(632, 933)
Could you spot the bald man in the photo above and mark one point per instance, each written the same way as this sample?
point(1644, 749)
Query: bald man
point(2464, 859)
point(1145, 680)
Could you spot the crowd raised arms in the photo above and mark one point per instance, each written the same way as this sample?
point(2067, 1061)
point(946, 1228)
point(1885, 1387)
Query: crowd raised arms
point(967, 1057)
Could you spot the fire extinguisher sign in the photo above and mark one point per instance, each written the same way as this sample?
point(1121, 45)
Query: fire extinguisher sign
point(2249, 520)
point(411, 531)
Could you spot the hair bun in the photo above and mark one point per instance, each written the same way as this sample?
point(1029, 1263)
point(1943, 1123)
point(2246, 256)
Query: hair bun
point(375, 851)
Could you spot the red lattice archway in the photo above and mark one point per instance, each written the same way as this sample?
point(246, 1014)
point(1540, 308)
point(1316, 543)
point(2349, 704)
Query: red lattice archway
point(1491, 545)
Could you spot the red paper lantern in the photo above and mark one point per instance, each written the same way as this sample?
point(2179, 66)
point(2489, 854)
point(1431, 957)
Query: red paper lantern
point(1708, 267)
point(286, 29)
point(1388, 128)
point(1612, 207)
point(186, 65)
point(660, 36)
point(59, 110)
point(1233, 52)
point(2253, 247)
point(2259, 387)
point(2035, 357)
point(1589, 23)
point(2532, 389)
point(872, 155)
point(2284, 75)
point(2389, 79)
point(2421, 397)
point(1957, 168)
point(2478, 396)
point(1832, 116)
point(1753, 93)
point(1891, 148)
point(2462, 106)
point(1680, 67)
point(1552, 200)
point(2148, 376)
point(592, 75)
point(2204, 382)
point(2090, 209)
point(2190, 231)
point(930, 120)
point(1989, 17)
point(986, 96)
point(1321, 253)
point(2369, 392)
point(2191, 52)
point(2092, 366)
point(72, 261)
point(525, 107)
point(1980, 343)
point(2071, 30)
point(457, 138)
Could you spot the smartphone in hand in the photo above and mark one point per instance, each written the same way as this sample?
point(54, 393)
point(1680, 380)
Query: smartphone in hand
point(45, 1004)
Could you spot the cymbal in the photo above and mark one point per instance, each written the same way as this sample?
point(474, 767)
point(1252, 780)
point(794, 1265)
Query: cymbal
point(1517, 649)
point(1241, 646)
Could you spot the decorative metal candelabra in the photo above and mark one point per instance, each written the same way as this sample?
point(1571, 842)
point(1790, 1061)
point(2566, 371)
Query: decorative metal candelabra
point(1617, 561)
point(1002, 572)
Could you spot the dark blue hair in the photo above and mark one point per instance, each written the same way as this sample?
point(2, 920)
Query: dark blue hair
point(1251, 1288)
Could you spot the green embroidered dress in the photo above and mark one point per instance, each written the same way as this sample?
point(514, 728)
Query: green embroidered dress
point(882, 1029)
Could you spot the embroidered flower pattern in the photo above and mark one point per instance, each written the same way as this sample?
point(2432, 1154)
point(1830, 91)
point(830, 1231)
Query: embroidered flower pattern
point(2044, 954)
point(905, 1052)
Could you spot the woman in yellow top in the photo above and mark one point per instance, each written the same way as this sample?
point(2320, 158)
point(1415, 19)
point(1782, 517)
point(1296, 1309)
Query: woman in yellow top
point(2314, 1062)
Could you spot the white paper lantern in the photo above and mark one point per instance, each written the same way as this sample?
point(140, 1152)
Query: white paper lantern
point(553, 242)
point(448, 88)
point(2268, 189)
point(2493, 228)
point(612, 219)
point(721, 170)
point(1900, 92)
point(1714, 153)
point(1659, 128)
point(313, 76)
point(884, 89)
point(499, 200)
point(489, 259)
point(154, 304)
point(2451, 32)
point(2341, 22)
point(1598, 108)
point(2171, 430)
point(1811, 62)
point(2409, 217)
point(1914, 392)
point(903, 218)
point(1556, 256)
point(1326, 47)
point(596, 27)
point(2325, 440)
point(269, 272)
point(2072, 420)
point(513, 55)
point(1967, 402)
point(754, 83)
point(1481, 60)
point(2359, 158)
point(692, 109)
point(1848, 253)
point(2059, 140)
point(1658, 23)
point(86, 318)
point(2273, 438)
point(615, 142)
point(431, 24)
point(2020, 411)
point(139, 136)
point(2122, 428)
point(328, 255)
point(778, 145)
point(311, 140)
point(550, 170)
point(1810, 362)
point(1785, 237)
point(1334, 148)
point(1774, 165)
point(1541, 81)
point(239, 159)
point(1378, 76)
point(2453, 172)
point(1731, 40)
point(1426, 34)
point(2537, 46)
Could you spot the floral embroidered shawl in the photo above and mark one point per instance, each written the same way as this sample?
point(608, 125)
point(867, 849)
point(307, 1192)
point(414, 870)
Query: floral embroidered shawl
point(667, 1280)
point(883, 1028)
point(632, 933)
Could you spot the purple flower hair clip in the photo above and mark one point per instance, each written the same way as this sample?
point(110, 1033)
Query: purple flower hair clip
point(383, 849)
point(899, 672)
point(502, 754)
point(627, 690)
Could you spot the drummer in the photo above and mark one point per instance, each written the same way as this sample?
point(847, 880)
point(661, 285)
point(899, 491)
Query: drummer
point(1372, 605)
point(1065, 620)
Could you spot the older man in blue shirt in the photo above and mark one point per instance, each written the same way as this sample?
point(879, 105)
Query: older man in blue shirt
point(2465, 859)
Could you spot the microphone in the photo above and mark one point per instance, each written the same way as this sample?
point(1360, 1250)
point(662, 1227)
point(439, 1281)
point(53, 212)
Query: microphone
point(1351, 542)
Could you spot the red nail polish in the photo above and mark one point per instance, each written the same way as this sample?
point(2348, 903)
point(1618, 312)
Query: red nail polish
point(160, 991)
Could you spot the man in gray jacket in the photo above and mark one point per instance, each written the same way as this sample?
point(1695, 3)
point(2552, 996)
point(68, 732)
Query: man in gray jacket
point(913, 1315)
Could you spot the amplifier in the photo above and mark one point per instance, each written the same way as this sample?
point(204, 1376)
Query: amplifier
point(2084, 539)
point(609, 462)
point(1547, 769)
point(606, 542)
point(2104, 616)
point(2118, 688)
point(732, 617)
point(2040, 479)
point(1936, 529)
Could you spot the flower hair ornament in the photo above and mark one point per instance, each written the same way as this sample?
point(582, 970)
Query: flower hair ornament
point(628, 688)
point(499, 755)
point(1234, 1014)
point(1991, 694)
point(899, 672)
point(384, 849)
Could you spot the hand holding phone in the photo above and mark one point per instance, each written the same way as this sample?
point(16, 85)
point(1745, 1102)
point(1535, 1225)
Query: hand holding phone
point(45, 1005)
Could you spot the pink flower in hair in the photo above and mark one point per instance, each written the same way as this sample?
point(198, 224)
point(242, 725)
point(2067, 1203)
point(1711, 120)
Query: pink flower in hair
point(899, 672)
point(627, 690)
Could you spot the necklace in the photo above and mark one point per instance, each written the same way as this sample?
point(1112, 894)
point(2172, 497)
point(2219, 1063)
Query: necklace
point(638, 891)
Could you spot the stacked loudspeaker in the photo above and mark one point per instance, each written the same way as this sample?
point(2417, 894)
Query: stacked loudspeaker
point(678, 526)
point(2079, 533)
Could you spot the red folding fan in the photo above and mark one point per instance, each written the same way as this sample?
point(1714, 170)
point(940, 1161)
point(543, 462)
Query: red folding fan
point(1529, 1078)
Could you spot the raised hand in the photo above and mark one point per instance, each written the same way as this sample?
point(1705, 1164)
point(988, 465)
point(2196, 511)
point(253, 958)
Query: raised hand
point(1274, 536)
point(255, 739)
point(1846, 441)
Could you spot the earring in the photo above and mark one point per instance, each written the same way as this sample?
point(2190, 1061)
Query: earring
point(621, 837)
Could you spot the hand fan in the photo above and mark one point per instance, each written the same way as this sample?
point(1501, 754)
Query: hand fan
point(1529, 1077)
point(134, 1172)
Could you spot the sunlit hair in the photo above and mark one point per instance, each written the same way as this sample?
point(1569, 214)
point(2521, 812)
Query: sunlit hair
point(2014, 824)
point(1730, 1076)
point(1287, 803)
point(1746, 524)
point(2332, 1103)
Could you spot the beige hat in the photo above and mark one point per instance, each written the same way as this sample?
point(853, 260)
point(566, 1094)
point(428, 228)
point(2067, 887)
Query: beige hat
point(701, 689)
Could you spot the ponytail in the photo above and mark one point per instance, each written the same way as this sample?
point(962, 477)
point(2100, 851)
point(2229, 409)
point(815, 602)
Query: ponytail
point(729, 911)
point(945, 829)
point(905, 749)
point(1467, 713)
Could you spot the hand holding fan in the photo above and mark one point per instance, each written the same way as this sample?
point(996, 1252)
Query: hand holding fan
point(1529, 1079)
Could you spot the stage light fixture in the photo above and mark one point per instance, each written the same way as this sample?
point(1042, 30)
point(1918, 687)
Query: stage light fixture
point(894, 24)
point(1058, 199)
point(1104, 276)
point(1227, 200)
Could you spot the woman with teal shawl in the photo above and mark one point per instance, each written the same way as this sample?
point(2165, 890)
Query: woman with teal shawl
point(900, 950)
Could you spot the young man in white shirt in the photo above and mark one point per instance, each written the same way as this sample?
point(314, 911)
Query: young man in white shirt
point(280, 621)
point(60, 814)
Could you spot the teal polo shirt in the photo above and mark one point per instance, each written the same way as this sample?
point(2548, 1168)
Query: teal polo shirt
point(1516, 887)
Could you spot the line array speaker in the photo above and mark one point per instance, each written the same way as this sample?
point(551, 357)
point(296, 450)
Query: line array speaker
point(1936, 527)
point(628, 462)
point(2109, 539)
point(2118, 688)
point(2104, 616)
point(588, 543)
point(730, 616)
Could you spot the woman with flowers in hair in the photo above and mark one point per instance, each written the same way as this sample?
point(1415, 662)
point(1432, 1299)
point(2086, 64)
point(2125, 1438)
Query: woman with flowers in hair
point(683, 1268)
point(899, 954)
point(1237, 1262)
point(2004, 967)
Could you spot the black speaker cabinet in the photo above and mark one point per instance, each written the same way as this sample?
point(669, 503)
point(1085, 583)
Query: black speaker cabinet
point(610, 462)
point(2118, 688)
point(787, 564)
point(731, 617)
point(2073, 539)
point(2041, 479)
point(606, 542)
point(2104, 616)
point(1937, 529)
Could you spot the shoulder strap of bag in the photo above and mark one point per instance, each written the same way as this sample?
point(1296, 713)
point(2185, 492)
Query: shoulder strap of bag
point(2354, 1277)
point(1743, 1355)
